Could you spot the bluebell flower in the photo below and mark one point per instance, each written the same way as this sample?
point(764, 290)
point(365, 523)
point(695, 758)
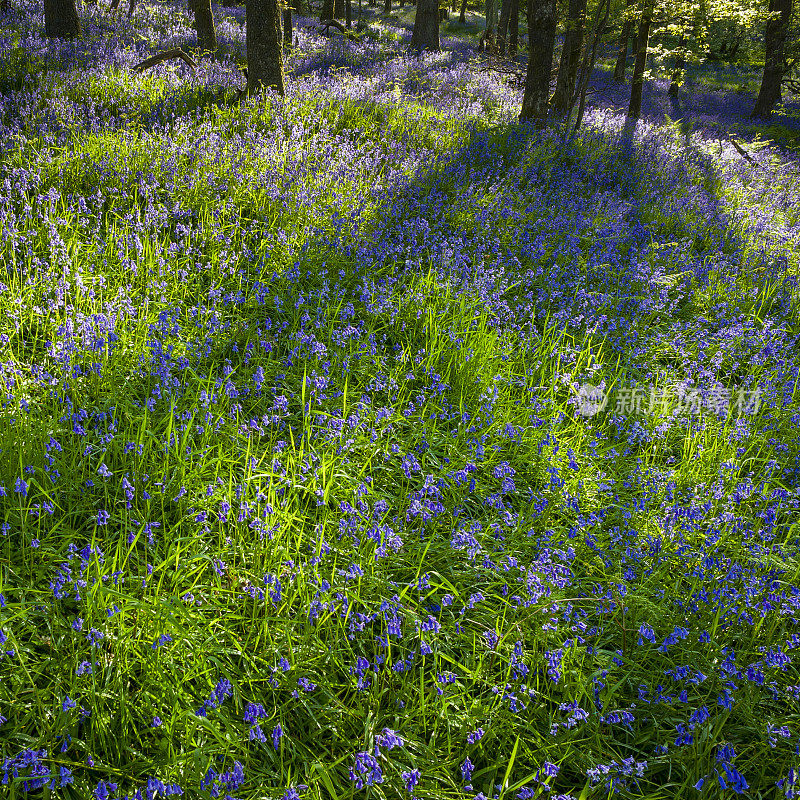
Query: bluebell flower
point(411, 780)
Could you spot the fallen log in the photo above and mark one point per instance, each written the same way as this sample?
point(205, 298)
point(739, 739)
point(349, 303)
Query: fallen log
point(159, 57)
point(326, 24)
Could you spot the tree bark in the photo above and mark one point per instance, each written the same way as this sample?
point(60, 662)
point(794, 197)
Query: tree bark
point(570, 56)
point(462, 15)
point(490, 13)
point(542, 37)
point(426, 26)
point(637, 81)
point(348, 13)
point(263, 43)
point(204, 24)
point(387, 6)
point(327, 10)
point(513, 29)
point(338, 9)
point(502, 27)
point(287, 25)
point(774, 44)
point(622, 56)
point(61, 19)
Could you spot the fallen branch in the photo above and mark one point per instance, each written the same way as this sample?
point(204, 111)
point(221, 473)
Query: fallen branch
point(325, 25)
point(742, 152)
point(159, 57)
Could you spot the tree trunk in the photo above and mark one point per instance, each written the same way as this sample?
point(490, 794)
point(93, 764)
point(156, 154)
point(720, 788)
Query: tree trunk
point(587, 66)
point(348, 13)
point(327, 10)
point(287, 25)
point(637, 81)
point(462, 14)
point(387, 6)
point(338, 9)
point(774, 43)
point(204, 24)
point(490, 7)
point(61, 19)
point(542, 38)
point(570, 56)
point(502, 27)
point(513, 29)
point(426, 26)
point(677, 70)
point(263, 43)
point(622, 56)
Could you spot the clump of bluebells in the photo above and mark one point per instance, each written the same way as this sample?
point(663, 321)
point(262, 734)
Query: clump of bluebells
point(307, 496)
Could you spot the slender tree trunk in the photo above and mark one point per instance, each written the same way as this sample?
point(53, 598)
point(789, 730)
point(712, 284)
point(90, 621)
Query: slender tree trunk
point(327, 10)
point(774, 43)
point(502, 27)
point(338, 9)
point(622, 56)
point(348, 13)
point(542, 37)
point(204, 24)
point(570, 56)
point(513, 29)
point(263, 43)
point(61, 19)
point(426, 26)
point(287, 25)
point(677, 70)
point(462, 14)
point(490, 7)
point(637, 81)
point(587, 66)
point(387, 6)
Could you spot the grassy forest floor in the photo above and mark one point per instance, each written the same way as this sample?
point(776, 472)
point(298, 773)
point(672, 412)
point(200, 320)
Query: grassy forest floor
point(368, 444)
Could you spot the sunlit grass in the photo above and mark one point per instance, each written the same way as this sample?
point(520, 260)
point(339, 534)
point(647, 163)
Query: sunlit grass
point(291, 400)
